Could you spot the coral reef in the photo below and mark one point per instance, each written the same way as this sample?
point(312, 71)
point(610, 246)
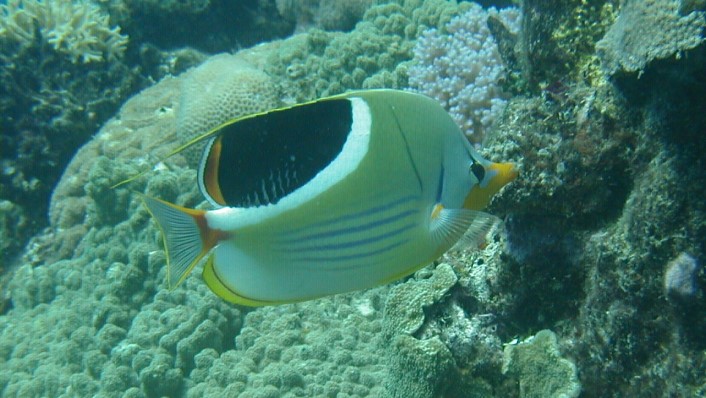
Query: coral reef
point(540, 369)
point(63, 75)
point(602, 241)
point(322, 14)
point(135, 336)
point(587, 258)
point(373, 55)
point(148, 342)
point(78, 30)
point(646, 30)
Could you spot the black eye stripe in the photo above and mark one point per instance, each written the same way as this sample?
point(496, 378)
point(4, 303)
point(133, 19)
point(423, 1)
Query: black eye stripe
point(478, 171)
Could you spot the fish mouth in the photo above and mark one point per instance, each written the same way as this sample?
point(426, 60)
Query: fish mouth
point(497, 176)
point(506, 173)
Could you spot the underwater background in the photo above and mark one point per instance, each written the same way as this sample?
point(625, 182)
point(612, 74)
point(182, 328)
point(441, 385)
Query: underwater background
point(593, 286)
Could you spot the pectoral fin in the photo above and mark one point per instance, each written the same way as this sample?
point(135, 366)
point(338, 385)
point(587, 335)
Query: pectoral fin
point(459, 228)
point(476, 234)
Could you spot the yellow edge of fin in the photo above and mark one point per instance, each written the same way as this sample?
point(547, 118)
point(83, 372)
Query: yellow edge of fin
point(176, 151)
point(214, 282)
point(182, 237)
point(218, 128)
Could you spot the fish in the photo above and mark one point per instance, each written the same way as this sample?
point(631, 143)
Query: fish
point(335, 195)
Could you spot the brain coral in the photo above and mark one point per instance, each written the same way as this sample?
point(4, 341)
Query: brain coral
point(460, 66)
point(222, 88)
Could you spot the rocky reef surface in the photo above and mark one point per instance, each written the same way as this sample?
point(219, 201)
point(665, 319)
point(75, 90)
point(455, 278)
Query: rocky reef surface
point(593, 286)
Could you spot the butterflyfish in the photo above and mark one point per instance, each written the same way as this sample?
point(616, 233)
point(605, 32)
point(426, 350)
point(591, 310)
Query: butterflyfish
point(335, 195)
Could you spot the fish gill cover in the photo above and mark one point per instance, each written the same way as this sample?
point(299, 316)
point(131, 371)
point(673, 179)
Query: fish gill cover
point(595, 282)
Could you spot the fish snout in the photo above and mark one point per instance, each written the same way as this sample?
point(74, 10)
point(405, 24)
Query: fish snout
point(497, 175)
point(505, 173)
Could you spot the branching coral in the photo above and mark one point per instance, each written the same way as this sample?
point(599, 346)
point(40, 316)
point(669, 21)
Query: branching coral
point(78, 30)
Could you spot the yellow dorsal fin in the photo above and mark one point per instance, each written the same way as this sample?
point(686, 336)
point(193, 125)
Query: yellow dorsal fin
point(190, 143)
point(176, 151)
point(217, 129)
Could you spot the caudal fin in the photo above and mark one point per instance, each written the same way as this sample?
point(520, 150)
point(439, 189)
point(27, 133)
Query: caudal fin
point(185, 234)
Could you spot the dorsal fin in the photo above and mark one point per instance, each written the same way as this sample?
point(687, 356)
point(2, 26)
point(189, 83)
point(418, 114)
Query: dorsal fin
point(181, 148)
point(218, 129)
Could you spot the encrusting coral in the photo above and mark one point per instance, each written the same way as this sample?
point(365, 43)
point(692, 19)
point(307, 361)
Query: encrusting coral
point(646, 30)
point(540, 369)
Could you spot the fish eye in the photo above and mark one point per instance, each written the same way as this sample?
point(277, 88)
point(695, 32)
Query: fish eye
point(478, 171)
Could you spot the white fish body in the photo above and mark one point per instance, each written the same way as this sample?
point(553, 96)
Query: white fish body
point(404, 185)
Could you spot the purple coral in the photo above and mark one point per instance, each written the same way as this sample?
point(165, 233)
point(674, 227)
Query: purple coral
point(460, 66)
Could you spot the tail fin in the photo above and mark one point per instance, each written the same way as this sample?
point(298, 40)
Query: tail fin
point(187, 238)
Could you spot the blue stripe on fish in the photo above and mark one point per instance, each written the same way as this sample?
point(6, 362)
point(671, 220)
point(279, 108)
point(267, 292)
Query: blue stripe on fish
point(350, 244)
point(345, 241)
point(358, 228)
point(346, 217)
point(307, 233)
point(355, 256)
